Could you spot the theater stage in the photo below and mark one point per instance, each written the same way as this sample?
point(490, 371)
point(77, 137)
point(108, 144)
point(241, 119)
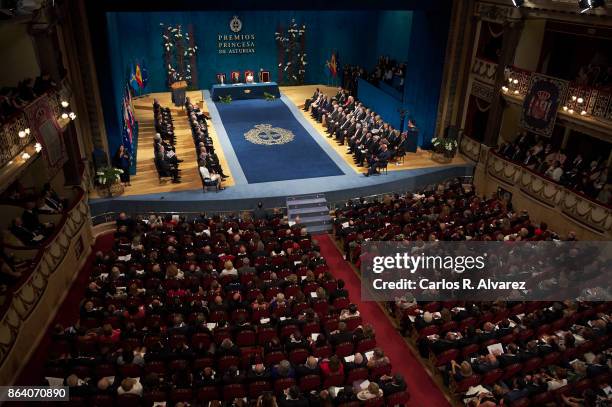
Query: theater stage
point(288, 169)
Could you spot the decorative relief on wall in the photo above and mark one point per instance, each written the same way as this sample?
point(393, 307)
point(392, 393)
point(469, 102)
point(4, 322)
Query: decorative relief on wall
point(482, 91)
point(493, 12)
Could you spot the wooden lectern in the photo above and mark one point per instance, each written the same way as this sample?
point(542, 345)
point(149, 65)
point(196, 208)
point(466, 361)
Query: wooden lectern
point(178, 92)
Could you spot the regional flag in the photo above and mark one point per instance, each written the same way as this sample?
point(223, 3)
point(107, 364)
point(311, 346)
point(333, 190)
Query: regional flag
point(138, 76)
point(133, 81)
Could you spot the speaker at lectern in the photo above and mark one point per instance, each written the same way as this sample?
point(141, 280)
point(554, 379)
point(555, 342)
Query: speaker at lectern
point(178, 93)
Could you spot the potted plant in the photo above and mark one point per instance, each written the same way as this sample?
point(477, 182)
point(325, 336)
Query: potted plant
point(443, 149)
point(269, 96)
point(225, 99)
point(108, 179)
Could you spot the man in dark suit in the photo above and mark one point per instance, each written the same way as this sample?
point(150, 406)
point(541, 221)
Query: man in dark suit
point(311, 367)
point(314, 97)
point(292, 398)
point(348, 128)
point(379, 160)
point(259, 373)
point(166, 169)
point(341, 335)
point(340, 292)
point(391, 385)
point(26, 236)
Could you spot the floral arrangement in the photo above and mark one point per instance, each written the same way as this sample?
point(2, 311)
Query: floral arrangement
point(179, 53)
point(447, 147)
point(292, 55)
point(225, 99)
point(269, 96)
point(107, 176)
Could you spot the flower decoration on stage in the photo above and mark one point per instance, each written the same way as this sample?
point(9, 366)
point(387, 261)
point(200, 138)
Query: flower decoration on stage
point(269, 96)
point(179, 53)
point(108, 176)
point(266, 135)
point(292, 55)
point(444, 146)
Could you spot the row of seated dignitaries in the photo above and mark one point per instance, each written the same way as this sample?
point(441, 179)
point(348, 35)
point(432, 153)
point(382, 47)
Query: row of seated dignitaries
point(219, 310)
point(371, 141)
point(166, 160)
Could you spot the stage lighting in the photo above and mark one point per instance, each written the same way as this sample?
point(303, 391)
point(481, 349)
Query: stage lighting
point(586, 5)
point(518, 3)
point(38, 147)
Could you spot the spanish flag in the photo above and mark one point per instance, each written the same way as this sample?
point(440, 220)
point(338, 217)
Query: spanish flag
point(332, 64)
point(138, 76)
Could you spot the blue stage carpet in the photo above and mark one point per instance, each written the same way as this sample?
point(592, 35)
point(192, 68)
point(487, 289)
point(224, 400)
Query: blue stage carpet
point(299, 158)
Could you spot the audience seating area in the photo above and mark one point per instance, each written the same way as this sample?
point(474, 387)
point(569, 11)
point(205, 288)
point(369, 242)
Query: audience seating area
point(551, 352)
point(215, 309)
point(581, 174)
point(14, 99)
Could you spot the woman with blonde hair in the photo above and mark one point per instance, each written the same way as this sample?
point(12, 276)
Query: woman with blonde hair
point(229, 269)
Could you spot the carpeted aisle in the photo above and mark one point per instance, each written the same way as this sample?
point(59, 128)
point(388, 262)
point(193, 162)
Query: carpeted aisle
point(423, 390)
point(292, 158)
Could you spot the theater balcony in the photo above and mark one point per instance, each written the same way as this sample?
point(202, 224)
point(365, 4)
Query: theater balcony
point(544, 199)
point(49, 267)
point(585, 109)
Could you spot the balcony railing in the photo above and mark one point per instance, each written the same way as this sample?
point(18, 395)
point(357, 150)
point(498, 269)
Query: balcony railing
point(595, 102)
point(584, 210)
point(23, 297)
point(10, 140)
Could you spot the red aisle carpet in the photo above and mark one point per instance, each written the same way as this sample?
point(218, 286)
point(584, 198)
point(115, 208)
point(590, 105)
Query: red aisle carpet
point(423, 390)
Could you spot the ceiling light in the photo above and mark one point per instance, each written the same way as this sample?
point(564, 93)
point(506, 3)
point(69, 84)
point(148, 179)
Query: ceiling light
point(38, 147)
point(25, 156)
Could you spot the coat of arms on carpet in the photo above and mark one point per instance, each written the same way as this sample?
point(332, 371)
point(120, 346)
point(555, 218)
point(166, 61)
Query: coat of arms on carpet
point(265, 134)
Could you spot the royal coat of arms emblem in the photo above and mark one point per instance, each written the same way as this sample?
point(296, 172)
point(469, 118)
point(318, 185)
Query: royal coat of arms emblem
point(235, 24)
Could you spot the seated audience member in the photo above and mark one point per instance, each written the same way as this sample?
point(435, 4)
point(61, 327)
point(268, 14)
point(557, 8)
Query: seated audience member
point(130, 386)
point(25, 235)
point(371, 392)
point(330, 366)
point(378, 359)
point(392, 384)
point(292, 397)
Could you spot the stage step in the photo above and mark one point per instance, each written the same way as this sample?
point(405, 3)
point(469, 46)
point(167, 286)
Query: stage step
point(312, 210)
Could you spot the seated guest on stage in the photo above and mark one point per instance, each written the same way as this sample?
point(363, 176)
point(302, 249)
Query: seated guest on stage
point(166, 168)
point(235, 77)
point(210, 175)
point(314, 97)
point(249, 78)
point(346, 129)
point(333, 118)
point(379, 160)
